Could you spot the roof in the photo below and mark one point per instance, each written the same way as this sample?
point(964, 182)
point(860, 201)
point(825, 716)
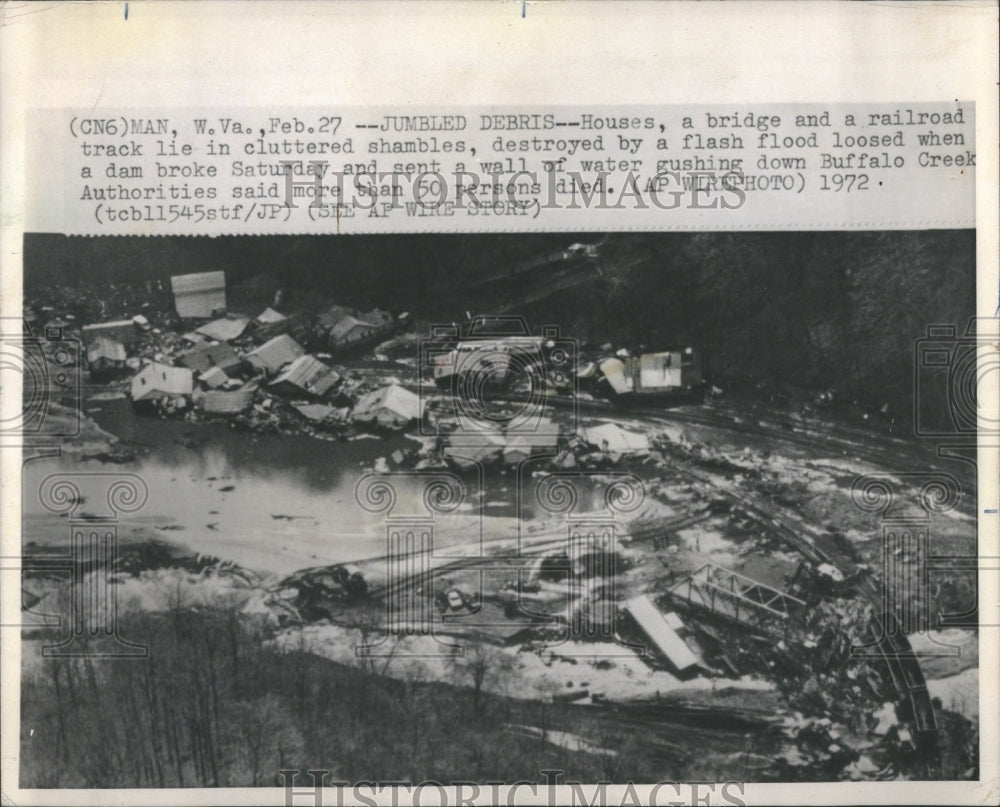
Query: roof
point(275, 353)
point(653, 624)
point(532, 440)
point(475, 438)
point(215, 377)
point(104, 348)
point(394, 398)
point(347, 324)
point(473, 446)
point(204, 357)
point(315, 411)
point(308, 374)
point(517, 448)
point(122, 330)
point(611, 437)
point(156, 379)
point(331, 316)
point(224, 329)
point(377, 317)
point(541, 432)
point(100, 326)
point(269, 315)
point(198, 282)
point(673, 620)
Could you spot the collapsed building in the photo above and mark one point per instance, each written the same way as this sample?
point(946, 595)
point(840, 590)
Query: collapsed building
point(342, 328)
point(274, 354)
point(308, 376)
point(205, 356)
point(105, 358)
point(392, 407)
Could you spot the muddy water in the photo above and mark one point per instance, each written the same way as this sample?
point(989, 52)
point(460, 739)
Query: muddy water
point(273, 503)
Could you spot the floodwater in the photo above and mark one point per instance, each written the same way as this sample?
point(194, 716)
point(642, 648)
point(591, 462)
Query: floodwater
point(272, 503)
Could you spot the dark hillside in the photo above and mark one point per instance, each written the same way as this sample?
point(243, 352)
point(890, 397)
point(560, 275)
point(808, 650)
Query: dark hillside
point(830, 310)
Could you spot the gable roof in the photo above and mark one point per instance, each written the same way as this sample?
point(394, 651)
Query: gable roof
point(347, 324)
point(394, 398)
point(157, 379)
point(269, 315)
point(275, 353)
point(331, 316)
point(104, 348)
point(308, 374)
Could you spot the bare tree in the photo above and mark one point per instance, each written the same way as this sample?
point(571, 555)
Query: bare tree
point(482, 666)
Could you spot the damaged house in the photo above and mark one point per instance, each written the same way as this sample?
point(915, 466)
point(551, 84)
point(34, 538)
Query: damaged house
point(226, 402)
point(344, 328)
point(205, 356)
point(123, 331)
point(199, 295)
point(156, 381)
point(307, 375)
point(274, 354)
point(391, 407)
point(105, 357)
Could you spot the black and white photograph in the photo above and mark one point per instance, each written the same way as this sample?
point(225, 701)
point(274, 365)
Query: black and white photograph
point(453, 403)
point(595, 507)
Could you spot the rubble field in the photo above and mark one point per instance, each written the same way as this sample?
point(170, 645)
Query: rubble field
point(724, 589)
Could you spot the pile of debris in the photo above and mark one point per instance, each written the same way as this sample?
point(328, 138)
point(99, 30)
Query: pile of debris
point(256, 371)
point(313, 594)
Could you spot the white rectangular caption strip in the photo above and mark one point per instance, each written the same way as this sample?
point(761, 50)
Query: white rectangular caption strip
point(366, 170)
